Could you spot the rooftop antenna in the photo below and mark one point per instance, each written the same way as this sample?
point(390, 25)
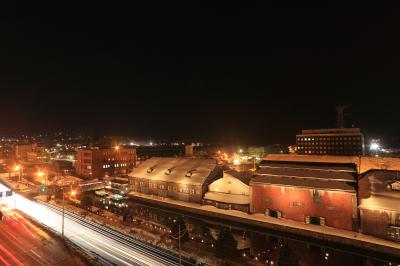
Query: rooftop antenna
point(339, 116)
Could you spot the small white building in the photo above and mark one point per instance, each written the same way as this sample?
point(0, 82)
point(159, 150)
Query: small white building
point(232, 191)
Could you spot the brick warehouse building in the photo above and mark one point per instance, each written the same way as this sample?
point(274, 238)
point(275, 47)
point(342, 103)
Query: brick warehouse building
point(98, 162)
point(316, 193)
point(379, 197)
point(185, 179)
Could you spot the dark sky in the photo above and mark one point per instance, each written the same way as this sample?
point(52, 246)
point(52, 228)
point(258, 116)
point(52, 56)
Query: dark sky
point(256, 74)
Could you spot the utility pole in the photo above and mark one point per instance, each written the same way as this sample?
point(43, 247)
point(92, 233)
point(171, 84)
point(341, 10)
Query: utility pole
point(179, 234)
point(63, 211)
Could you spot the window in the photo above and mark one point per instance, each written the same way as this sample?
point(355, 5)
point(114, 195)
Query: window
point(191, 191)
point(316, 196)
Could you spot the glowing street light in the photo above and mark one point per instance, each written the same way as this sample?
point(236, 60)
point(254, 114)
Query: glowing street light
point(17, 168)
point(40, 174)
point(236, 161)
point(117, 147)
point(73, 193)
point(374, 146)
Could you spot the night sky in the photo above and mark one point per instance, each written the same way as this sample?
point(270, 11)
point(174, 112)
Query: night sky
point(227, 73)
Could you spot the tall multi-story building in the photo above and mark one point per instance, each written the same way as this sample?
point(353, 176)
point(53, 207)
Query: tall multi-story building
point(337, 141)
point(98, 162)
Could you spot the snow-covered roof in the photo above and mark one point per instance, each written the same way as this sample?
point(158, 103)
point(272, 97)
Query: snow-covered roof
point(364, 163)
point(227, 198)
point(308, 170)
point(317, 183)
point(177, 170)
point(326, 176)
point(312, 158)
point(382, 203)
point(244, 176)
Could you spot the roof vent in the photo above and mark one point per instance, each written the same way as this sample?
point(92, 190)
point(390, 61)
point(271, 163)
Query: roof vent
point(168, 172)
point(149, 170)
point(190, 173)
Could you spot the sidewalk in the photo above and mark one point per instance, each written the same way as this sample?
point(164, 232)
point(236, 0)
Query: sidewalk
point(309, 230)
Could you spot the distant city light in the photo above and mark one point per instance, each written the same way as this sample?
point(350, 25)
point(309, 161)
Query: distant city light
point(374, 147)
point(236, 161)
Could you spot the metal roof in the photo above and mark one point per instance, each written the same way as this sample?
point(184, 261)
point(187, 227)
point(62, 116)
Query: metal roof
point(178, 170)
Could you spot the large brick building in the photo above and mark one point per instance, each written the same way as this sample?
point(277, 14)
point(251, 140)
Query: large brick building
point(316, 193)
point(97, 162)
point(185, 179)
point(379, 198)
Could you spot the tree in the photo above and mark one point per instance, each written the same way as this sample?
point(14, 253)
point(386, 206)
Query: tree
point(179, 224)
point(126, 214)
point(287, 257)
point(86, 202)
point(225, 246)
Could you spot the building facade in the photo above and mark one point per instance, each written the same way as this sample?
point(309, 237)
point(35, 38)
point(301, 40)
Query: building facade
point(338, 141)
point(379, 197)
point(185, 179)
point(232, 191)
point(30, 153)
point(315, 193)
point(97, 162)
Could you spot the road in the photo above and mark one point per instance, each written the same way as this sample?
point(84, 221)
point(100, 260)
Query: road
point(110, 246)
point(24, 243)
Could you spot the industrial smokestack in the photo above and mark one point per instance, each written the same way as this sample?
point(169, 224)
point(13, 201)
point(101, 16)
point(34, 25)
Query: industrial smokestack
point(339, 116)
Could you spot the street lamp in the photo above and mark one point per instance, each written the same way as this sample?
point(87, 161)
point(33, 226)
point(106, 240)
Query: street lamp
point(179, 241)
point(40, 174)
point(18, 169)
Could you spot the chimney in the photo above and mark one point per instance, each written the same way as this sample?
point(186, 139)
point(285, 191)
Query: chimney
point(339, 116)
